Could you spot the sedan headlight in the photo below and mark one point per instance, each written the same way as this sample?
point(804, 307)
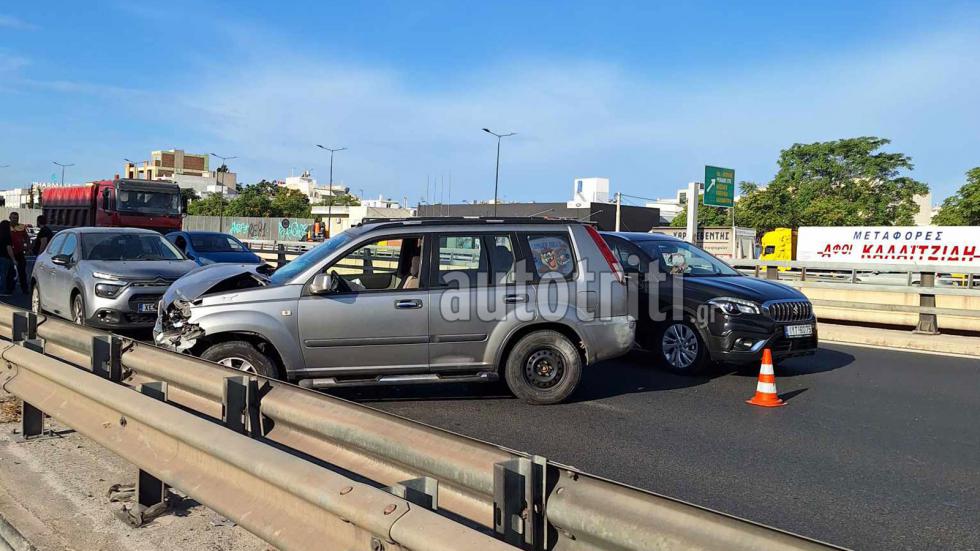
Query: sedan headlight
point(103, 275)
point(735, 306)
point(108, 290)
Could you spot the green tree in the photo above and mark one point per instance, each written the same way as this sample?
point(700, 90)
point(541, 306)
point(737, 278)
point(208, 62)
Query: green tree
point(252, 201)
point(188, 196)
point(963, 208)
point(210, 205)
point(290, 203)
point(341, 200)
point(845, 182)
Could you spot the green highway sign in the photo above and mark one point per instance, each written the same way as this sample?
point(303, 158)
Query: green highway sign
point(719, 187)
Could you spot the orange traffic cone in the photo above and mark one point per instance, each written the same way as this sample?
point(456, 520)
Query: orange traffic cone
point(765, 390)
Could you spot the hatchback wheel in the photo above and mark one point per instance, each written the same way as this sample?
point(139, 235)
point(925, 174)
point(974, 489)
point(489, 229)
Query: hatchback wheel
point(682, 349)
point(544, 367)
point(78, 310)
point(36, 299)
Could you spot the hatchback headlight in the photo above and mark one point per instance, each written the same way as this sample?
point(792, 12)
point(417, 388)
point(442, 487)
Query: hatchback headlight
point(108, 290)
point(735, 306)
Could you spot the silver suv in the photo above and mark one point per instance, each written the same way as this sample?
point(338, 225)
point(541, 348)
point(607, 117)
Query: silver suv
point(415, 301)
point(106, 277)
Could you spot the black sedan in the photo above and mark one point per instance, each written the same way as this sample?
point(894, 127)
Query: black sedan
point(695, 309)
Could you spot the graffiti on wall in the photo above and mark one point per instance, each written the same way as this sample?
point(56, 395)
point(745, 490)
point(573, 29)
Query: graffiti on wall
point(248, 230)
point(290, 230)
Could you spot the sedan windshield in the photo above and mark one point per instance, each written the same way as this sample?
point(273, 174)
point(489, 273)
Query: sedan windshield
point(680, 257)
point(127, 246)
point(216, 243)
point(310, 258)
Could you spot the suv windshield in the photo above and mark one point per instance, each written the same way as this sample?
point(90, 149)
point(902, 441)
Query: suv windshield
point(216, 243)
point(310, 258)
point(127, 246)
point(147, 202)
point(680, 257)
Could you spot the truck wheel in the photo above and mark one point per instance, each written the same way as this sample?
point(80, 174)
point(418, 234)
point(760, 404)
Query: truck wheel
point(243, 356)
point(682, 349)
point(543, 368)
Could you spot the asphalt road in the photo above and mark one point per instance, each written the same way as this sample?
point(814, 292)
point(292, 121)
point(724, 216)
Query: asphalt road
point(876, 449)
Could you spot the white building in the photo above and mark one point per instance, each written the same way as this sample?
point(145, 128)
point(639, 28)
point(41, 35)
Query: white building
point(20, 198)
point(225, 183)
point(342, 217)
point(589, 190)
point(926, 209)
point(671, 207)
point(380, 203)
point(306, 184)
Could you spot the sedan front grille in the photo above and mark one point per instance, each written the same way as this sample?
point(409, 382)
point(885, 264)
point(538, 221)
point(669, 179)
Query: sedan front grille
point(790, 310)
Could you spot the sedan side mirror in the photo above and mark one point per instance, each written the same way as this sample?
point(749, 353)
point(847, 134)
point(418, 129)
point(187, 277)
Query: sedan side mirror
point(323, 284)
point(61, 259)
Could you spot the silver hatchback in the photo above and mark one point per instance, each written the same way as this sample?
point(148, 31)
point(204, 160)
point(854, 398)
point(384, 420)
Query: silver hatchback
point(106, 277)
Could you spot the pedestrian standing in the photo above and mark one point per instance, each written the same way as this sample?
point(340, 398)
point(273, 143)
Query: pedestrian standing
point(44, 235)
point(19, 240)
point(6, 259)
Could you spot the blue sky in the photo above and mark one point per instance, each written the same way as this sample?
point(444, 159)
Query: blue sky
point(645, 93)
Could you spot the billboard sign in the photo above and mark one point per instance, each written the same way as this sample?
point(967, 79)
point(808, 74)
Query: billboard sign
point(719, 187)
point(944, 245)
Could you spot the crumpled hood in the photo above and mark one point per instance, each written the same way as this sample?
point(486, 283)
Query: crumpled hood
point(203, 279)
point(749, 288)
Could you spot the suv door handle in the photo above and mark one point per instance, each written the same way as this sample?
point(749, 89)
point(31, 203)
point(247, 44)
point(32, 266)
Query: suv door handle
point(406, 304)
point(513, 299)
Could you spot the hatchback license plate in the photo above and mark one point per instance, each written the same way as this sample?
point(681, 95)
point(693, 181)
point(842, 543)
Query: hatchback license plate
point(150, 307)
point(796, 331)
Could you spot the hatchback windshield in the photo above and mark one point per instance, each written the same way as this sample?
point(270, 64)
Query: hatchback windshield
point(127, 246)
point(684, 258)
point(216, 243)
point(310, 258)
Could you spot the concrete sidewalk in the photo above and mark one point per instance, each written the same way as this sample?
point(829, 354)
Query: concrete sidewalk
point(899, 339)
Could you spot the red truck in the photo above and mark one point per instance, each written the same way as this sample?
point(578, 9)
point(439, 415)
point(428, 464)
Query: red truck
point(149, 204)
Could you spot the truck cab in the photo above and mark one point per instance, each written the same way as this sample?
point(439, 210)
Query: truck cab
point(148, 204)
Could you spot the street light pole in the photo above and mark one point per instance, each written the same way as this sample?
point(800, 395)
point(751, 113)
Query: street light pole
point(496, 180)
point(221, 203)
point(330, 189)
point(63, 165)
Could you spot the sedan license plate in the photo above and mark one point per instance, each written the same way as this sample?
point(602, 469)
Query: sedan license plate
point(149, 308)
point(797, 331)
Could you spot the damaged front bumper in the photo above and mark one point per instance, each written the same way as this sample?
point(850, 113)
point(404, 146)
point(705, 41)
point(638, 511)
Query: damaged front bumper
point(172, 329)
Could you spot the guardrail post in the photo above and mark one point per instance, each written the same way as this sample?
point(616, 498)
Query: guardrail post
point(280, 255)
point(928, 324)
point(240, 404)
point(423, 491)
point(519, 487)
point(772, 272)
point(24, 326)
point(151, 492)
point(31, 418)
point(106, 357)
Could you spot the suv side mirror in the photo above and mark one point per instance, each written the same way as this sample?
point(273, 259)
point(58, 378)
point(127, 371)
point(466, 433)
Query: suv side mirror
point(323, 284)
point(61, 259)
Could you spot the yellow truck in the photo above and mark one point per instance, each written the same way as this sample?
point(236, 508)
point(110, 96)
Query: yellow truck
point(779, 244)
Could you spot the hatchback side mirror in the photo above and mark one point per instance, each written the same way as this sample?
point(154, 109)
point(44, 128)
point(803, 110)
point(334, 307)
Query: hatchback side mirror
point(61, 259)
point(323, 284)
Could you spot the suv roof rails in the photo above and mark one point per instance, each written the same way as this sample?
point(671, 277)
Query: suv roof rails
point(464, 220)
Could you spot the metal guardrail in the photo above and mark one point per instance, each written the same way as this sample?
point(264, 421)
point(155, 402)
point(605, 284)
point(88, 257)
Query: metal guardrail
point(526, 500)
point(919, 279)
point(291, 503)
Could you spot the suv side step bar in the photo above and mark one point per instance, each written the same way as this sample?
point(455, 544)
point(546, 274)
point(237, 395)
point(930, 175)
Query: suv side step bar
point(333, 382)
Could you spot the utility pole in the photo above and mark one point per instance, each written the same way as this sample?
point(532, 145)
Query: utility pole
point(496, 180)
point(221, 203)
point(63, 165)
point(619, 208)
point(330, 189)
point(693, 198)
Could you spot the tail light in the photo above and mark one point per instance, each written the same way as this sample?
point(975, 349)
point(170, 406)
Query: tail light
point(614, 264)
